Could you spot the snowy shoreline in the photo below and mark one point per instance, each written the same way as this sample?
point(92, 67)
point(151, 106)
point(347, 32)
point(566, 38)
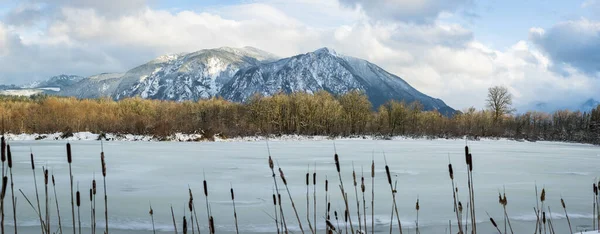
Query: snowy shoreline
point(180, 137)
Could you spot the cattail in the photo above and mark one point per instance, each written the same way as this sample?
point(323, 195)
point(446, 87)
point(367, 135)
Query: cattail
point(3, 152)
point(211, 222)
point(9, 154)
point(32, 163)
point(274, 200)
point(470, 160)
point(595, 189)
point(354, 177)
point(562, 202)
point(78, 199)
point(307, 178)
point(328, 207)
point(493, 222)
point(103, 164)
point(205, 188)
point(282, 176)
point(417, 206)
point(91, 195)
point(184, 225)
point(337, 162)
point(271, 165)
point(346, 216)
point(505, 200)
point(373, 169)
point(326, 185)
point(387, 172)
point(460, 207)
point(500, 199)
point(330, 225)
point(362, 184)
point(544, 217)
point(94, 187)
point(543, 196)
point(450, 171)
point(314, 178)
point(191, 205)
point(69, 156)
point(232, 195)
point(46, 177)
point(4, 183)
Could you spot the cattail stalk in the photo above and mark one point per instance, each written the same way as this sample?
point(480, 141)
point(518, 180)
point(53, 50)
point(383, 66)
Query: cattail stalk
point(78, 203)
point(282, 176)
point(542, 199)
point(494, 223)
point(94, 204)
point(417, 207)
point(12, 186)
point(562, 202)
point(356, 196)
point(194, 208)
point(275, 210)
point(184, 224)
point(315, 197)
point(91, 210)
point(458, 218)
point(393, 191)
point(39, 210)
point(2, 194)
point(308, 203)
point(57, 207)
point(205, 188)
point(191, 209)
point(47, 206)
point(103, 161)
point(174, 222)
point(3, 158)
point(327, 206)
point(70, 161)
point(272, 167)
point(234, 211)
point(372, 195)
point(337, 166)
point(469, 160)
point(362, 189)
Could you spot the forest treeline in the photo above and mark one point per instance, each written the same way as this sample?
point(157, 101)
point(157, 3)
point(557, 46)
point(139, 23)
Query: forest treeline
point(298, 113)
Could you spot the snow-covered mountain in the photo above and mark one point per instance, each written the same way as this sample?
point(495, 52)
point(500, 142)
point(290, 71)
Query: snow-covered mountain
point(324, 69)
point(102, 85)
point(192, 76)
point(238, 73)
point(551, 107)
point(54, 83)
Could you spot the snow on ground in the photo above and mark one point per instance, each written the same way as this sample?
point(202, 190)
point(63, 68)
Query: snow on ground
point(20, 92)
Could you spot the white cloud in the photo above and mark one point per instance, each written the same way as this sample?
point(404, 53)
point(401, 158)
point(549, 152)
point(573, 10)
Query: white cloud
point(441, 59)
point(405, 10)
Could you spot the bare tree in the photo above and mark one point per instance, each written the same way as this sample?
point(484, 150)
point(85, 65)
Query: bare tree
point(499, 101)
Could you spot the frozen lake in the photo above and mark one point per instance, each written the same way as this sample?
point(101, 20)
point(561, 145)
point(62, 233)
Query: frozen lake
point(160, 173)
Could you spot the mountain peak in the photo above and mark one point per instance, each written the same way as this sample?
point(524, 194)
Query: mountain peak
point(326, 50)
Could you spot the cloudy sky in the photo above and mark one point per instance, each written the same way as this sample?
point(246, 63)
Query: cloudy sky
point(542, 50)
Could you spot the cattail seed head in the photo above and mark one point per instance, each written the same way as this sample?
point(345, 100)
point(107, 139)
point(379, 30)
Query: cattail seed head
point(211, 222)
point(362, 184)
point(307, 178)
point(505, 200)
point(271, 165)
point(232, 195)
point(417, 206)
point(337, 162)
point(46, 177)
point(205, 188)
point(91, 195)
point(54, 182)
point(184, 225)
point(151, 212)
point(467, 152)
point(493, 222)
point(9, 155)
point(191, 205)
point(562, 202)
point(4, 183)
point(335, 214)
point(595, 189)
point(500, 199)
point(346, 216)
point(69, 156)
point(354, 177)
point(450, 171)
point(279, 198)
point(330, 225)
point(314, 178)
point(470, 162)
point(191, 195)
point(103, 164)
point(544, 217)
point(93, 186)
point(328, 207)
point(3, 149)
point(282, 176)
point(460, 207)
point(326, 185)
point(32, 162)
point(543, 196)
point(389, 176)
point(78, 198)
point(373, 169)
point(274, 200)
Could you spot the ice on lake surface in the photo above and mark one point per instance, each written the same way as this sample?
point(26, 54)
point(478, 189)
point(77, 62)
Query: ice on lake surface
point(140, 173)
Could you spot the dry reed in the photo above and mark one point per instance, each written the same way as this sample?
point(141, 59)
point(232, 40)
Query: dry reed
point(57, 207)
point(94, 203)
point(12, 186)
point(103, 162)
point(3, 158)
point(234, 211)
point(174, 222)
point(362, 189)
point(191, 209)
point(356, 196)
point(275, 207)
point(194, 208)
point(205, 188)
point(184, 224)
point(393, 191)
point(372, 194)
point(417, 207)
point(315, 196)
point(308, 202)
point(39, 210)
point(70, 161)
point(494, 223)
point(562, 202)
point(47, 206)
point(78, 203)
point(272, 167)
point(2, 195)
point(282, 176)
point(458, 218)
point(344, 195)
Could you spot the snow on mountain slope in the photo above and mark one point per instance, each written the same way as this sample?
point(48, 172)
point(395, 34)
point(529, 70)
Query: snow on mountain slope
point(55, 82)
point(324, 69)
point(101, 85)
point(192, 76)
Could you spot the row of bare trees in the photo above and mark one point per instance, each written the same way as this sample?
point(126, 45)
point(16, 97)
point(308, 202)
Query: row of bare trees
point(298, 113)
